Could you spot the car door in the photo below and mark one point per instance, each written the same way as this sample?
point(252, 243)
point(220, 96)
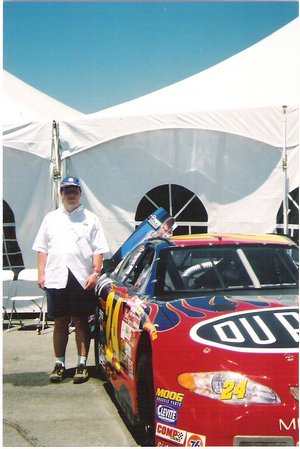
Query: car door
point(124, 308)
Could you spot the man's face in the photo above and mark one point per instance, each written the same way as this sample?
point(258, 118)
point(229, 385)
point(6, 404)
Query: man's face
point(71, 197)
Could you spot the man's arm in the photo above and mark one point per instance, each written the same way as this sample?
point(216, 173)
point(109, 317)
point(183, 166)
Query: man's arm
point(42, 259)
point(93, 277)
point(97, 263)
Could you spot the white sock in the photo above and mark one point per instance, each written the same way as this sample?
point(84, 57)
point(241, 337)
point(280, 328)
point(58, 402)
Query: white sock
point(82, 360)
point(61, 360)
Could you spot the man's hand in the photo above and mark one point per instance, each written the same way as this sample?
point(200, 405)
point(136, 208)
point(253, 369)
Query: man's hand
point(91, 282)
point(41, 281)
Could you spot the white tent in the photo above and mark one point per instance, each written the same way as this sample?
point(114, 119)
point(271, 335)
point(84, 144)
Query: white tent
point(222, 134)
point(23, 103)
point(27, 147)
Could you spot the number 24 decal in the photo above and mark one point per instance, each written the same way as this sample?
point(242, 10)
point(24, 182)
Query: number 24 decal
point(231, 389)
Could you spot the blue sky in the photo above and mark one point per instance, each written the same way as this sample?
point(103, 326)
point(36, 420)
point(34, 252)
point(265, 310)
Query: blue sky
point(93, 55)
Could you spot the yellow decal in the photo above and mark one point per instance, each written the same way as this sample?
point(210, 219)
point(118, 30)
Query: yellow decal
point(114, 329)
point(167, 394)
point(231, 389)
point(108, 311)
point(152, 329)
point(112, 338)
point(262, 238)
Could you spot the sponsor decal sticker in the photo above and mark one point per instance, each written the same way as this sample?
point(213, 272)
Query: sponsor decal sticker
point(170, 433)
point(292, 424)
point(126, 348)
point(126, 331)
point(268, 330)
point(168, 397)
point(154, 222)
point(195, 440)
point(167, 414)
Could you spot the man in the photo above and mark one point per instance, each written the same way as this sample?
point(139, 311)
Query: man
point(70, 245)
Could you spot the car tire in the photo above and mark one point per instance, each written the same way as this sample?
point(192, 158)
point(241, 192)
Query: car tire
point(145, 393)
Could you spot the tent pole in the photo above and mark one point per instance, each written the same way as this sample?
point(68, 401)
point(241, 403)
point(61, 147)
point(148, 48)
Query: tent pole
point(284, 168)
point(56, 172)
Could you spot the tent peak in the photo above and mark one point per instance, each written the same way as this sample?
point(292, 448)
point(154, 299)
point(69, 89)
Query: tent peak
point(23, 103)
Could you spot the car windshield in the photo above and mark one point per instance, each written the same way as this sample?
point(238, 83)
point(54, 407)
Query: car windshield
point(189, 269)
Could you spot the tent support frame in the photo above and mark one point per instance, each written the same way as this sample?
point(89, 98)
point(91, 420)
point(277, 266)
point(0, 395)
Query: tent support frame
point(56, 165)
point(285, 172)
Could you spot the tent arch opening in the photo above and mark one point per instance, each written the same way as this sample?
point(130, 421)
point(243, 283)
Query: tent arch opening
point(293, 215)
point(183, 204)
point(12, 254)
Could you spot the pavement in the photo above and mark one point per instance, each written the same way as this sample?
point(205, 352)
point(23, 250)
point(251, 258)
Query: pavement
point(39, 414)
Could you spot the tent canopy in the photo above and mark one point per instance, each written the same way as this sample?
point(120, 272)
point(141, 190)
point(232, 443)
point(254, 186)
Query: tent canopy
point(23, 103)
point(257, 77)
point(243, 95)
point(220, 134)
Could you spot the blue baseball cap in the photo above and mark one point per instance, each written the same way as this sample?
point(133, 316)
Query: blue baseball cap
point(71, 181)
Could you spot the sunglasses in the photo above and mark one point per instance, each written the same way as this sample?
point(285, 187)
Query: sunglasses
point(71, 190)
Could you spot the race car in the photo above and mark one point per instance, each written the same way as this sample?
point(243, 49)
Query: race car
point(198, 336)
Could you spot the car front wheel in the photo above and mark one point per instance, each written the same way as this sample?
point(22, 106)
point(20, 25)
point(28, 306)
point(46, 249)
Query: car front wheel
point(145, 391)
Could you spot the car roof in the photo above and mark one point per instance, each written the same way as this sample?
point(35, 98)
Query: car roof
point(227, 239)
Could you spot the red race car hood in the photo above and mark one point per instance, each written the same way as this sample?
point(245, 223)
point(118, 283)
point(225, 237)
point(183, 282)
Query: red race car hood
point(255, 337)
point(242, 324)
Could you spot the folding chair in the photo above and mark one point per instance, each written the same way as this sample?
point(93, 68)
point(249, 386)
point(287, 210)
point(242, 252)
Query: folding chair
point(27, 285)
point(7, 277)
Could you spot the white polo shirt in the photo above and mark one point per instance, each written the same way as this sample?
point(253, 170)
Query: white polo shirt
point(70, 240)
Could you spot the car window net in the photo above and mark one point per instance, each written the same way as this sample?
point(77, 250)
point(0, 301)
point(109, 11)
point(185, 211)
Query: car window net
point(239, 267)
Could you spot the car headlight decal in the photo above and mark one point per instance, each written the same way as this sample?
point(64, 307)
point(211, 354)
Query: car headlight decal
point(226, 386)
point(295, 392)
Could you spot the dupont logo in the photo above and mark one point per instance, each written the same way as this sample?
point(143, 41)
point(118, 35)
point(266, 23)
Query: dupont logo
point(167, 414)
point(264, 330)
point(170, 433)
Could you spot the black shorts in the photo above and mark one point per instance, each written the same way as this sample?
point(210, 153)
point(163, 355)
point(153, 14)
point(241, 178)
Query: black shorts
point(70, 301)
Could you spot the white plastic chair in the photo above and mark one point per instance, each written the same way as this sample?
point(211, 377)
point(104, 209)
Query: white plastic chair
point(7, 277)
point(29, 291)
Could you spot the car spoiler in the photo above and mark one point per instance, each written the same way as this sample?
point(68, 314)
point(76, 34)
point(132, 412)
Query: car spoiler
point(159, 223)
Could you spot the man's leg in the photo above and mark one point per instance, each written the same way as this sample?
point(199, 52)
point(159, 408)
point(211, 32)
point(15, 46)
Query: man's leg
point(82, 343)
point(60, 336)
point(81, 305)
point(58, 312)
point(60, 340)
point(82, 335)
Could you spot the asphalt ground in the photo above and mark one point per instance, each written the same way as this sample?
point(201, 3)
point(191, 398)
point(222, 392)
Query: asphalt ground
point(37, 413)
